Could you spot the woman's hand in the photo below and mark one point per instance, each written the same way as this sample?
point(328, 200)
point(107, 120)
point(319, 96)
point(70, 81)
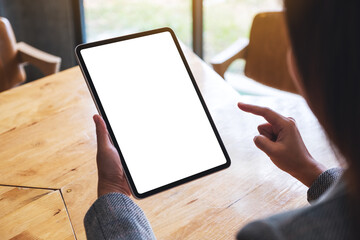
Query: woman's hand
point(280, 139)
point(110, 171)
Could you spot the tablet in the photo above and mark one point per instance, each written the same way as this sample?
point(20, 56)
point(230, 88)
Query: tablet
point(156, 117)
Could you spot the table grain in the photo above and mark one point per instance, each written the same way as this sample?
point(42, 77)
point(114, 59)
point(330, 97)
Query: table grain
point(48, 146)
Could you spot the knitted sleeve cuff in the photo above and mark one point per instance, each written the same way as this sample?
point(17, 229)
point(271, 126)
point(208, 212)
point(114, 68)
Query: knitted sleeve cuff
point(116, 216)
point(322, 183)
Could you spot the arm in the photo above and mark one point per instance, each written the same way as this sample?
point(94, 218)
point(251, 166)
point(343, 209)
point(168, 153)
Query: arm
point(113, 215)
point(280, 139)
point(116, 216)
point(259, 230)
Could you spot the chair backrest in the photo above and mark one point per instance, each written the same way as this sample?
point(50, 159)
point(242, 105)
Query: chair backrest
point(54, 26)
point(267, 50)
point(11, 71)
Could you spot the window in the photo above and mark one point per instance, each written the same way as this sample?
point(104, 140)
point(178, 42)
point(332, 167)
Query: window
point(224, 21)
point(112, 18)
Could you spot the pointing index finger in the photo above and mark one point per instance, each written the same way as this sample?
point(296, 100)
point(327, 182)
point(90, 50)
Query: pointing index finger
point(271, 116)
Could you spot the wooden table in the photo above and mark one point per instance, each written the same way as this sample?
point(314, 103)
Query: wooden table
point(48, 173)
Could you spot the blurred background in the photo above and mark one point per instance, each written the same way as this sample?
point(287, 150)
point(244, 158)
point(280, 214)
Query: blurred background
point(224, 21)
point(206, 26)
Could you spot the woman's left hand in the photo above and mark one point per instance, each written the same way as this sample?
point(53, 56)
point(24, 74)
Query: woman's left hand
point(110, 170)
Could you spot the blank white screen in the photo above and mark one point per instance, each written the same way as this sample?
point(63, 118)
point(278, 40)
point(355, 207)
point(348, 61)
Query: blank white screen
point(156, 116)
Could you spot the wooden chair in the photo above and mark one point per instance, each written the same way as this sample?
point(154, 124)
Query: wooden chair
point(265, 52)
point(13, 57)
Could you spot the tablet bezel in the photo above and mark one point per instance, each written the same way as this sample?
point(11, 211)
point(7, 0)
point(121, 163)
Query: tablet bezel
point(112, 136)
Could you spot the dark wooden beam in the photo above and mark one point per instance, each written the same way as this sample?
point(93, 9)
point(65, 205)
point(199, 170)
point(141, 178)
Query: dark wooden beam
point(197, 12)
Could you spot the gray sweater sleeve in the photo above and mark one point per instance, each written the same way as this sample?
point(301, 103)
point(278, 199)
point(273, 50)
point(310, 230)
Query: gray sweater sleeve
point(297, 223)
point(116, 216)
point(322, 183)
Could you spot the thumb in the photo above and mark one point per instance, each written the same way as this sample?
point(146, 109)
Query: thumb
point(101, 132)
point(265, 144)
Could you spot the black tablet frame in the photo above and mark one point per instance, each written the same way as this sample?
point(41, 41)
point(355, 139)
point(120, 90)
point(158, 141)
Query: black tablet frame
point(111, 133)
